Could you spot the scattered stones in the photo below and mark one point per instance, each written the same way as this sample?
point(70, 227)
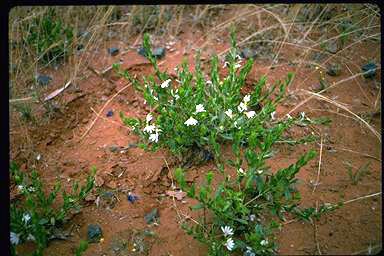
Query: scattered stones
point(113, 51)
point(369, 70)
point(152, 216)
point(43, 79)
point(110, 113)
point(94, 233)
point(334, 69)
point(248, 53)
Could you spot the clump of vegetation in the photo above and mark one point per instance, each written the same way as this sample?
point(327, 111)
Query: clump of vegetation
point(50, 38)
point(220, 115)
point(358, 174)
point(33, 217)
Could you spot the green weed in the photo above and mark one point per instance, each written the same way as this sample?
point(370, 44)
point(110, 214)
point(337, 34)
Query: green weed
point(358, 174)
point(220, 115)
point(49, 37)
point(33, 218)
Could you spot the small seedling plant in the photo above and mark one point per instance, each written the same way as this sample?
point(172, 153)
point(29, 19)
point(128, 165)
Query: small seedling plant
point(33, 217)
point(195, 112)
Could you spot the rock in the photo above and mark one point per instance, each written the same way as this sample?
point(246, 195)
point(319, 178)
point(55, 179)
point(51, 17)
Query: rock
point(248, 53)
point(159, 53)
point(110, 113)
point(113, 148)
point(142, 51)
point(332, 46)
point(113, 51)
point(80, 47)
point(132, 198)
point(43, 79)
point(334, 69)
point(94, 233)
point(369, 70)
point(152, 216)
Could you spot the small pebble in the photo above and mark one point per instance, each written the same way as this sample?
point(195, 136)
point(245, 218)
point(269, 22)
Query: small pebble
point(43, 79)
point(248, 53)
point(159, 53)
point(113, 51)
point(110, 113)
point(334, 69)
point(132, 198)
point(370, 68)
point(94, 233)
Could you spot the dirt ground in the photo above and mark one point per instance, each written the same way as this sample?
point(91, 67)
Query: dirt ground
point(76, 138)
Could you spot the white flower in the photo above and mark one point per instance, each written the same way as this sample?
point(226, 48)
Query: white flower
point(155, 98)
point(145, 85)
point(229, 113)
point(242, 107)
point(209, 82)
point(252, 217)
point(15, 238)
point(247, 98)
point(200, 108)
point(21, 188)
point(288, 116)
point(221, 127)
point(177, 97)
point(250, 114)
point(260, 171)
point(273, 115)
point(238, 57)
point(154, 136)
point(26, 217)
point(145, 102)
point(235, 123)
point(249, 251)
point(149, 128)
point(31, 189)
point(225, 64)
point(264, 242)
point(230, 244)
point(31, 237)
point(227, 230)
point(149, 117)
point(38, 157)
point(237, 66)
point(241, 171)
point(221, 83)
point(191, 121)
point(165, 84)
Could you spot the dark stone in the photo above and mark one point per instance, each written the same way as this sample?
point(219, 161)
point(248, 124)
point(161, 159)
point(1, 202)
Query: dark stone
point(248, 53)
point(43, 79)
point(142, 51)
point(159, 53)
point(110, 113)
point(113, 51)
point(334, 69)
point(79, 47)
point(132, 198)
point(94, 233)
point(152, 216)
point(369, 70)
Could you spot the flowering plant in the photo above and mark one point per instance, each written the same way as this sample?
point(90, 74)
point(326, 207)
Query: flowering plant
point(32, 217)
point(204, 112)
